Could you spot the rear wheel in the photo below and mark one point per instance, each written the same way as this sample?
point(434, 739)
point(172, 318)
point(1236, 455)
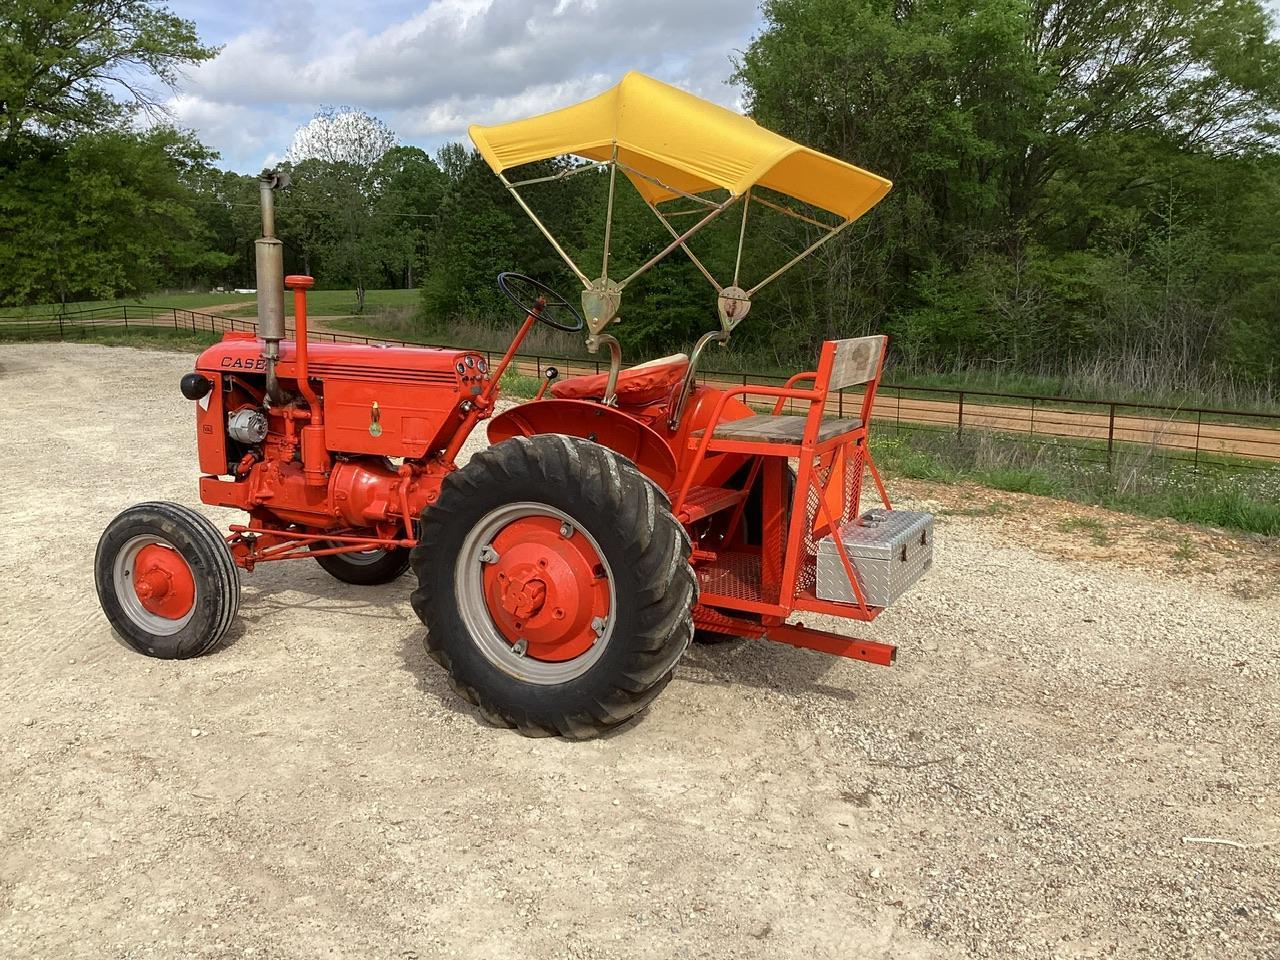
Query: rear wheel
point(555, 586)
point(366, 568)
point(166, 580)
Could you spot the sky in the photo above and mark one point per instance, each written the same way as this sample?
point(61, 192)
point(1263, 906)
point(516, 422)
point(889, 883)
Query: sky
point(432, 67)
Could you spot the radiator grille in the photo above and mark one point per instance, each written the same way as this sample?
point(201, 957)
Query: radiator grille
point(338, 371)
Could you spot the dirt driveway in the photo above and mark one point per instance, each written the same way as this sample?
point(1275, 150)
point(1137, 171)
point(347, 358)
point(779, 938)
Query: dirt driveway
point(1020, 784)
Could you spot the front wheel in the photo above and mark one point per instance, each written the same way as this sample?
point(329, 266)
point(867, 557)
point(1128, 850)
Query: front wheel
point(166, 580)
point(555, 586)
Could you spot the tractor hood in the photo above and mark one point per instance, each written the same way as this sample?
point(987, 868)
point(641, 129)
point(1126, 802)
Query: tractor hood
point(242, 353)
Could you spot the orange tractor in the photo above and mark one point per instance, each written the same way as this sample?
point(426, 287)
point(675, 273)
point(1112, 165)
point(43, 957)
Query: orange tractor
point(562, 571)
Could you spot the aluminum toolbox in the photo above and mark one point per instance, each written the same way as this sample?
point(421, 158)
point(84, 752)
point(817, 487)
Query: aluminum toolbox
point(889, 549)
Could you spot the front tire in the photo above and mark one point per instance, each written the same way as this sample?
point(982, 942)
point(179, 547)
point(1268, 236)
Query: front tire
point(166, 580)
point(555, 586)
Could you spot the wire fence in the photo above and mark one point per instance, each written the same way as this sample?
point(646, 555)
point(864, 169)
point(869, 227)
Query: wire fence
point(1098, 429)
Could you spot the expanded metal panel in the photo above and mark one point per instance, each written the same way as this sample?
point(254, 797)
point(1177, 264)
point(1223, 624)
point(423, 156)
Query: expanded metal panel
point(732, 574)
point(850, 494)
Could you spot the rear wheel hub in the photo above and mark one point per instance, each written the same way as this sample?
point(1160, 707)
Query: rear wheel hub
point(536, 592)
point(546, 587)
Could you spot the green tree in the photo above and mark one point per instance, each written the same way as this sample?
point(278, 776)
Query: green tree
point(72, 65)
point(409, 187)
point(109, 214)
point(1051, 160)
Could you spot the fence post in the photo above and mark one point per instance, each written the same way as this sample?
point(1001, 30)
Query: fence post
point(125, 311)
point(960, 417)
point(1199, 417)
point(1111, 434)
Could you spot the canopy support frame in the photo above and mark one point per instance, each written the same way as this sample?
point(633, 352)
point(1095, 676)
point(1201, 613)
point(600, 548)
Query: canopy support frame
point(555, 244)
point(679, 239)
point(831, 232)
point(608, 215)
point(688, 253)
point(742, 235)
point(562, 175)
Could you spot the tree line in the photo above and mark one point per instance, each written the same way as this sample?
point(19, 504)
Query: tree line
point(1075, 180)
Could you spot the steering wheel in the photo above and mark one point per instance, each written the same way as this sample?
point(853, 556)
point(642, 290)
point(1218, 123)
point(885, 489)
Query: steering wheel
point(540, 301)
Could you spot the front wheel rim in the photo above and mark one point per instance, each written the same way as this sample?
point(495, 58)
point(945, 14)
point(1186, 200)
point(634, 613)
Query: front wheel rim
point(535, 593)
point(154, 585)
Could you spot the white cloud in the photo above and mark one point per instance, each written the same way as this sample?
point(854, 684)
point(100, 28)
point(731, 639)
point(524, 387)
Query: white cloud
point(452, 63)
point(242, 134)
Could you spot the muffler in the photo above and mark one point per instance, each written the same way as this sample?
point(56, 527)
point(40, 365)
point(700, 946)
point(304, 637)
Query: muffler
point(269, 263)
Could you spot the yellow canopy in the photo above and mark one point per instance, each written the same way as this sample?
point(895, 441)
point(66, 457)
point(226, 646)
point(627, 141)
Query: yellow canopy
point(686, 143)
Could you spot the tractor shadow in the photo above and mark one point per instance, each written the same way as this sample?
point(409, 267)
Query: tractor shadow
point(772, 666)
point(275, 590)
point(431, 680)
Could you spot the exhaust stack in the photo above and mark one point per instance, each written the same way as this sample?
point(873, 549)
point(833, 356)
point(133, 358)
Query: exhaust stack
point(269, 260)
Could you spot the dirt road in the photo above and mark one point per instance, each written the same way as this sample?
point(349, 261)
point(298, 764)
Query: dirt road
point(1019, 784)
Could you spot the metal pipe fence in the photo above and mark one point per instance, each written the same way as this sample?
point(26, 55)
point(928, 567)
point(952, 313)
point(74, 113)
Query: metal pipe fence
point(1098, 429)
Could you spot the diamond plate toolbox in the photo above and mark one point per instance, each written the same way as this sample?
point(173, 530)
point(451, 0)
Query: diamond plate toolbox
point(889, 549)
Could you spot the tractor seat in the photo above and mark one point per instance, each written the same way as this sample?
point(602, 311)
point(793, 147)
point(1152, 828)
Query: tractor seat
point(644, 383)
point(779, 429)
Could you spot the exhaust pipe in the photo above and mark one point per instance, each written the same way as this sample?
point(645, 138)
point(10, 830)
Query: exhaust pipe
point(269, 262)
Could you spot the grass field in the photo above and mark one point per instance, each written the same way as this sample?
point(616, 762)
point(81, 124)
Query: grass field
point(342, 303)
point(1243, 496)
point(187, 301)
point(320, 302)
point(157, 338)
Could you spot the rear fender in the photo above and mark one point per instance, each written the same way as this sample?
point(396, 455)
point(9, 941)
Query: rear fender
point(606, 426)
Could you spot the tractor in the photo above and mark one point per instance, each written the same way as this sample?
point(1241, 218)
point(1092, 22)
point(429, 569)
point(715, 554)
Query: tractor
point(563, 570)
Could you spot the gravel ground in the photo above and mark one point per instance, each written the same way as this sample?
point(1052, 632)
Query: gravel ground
point(1021, 783)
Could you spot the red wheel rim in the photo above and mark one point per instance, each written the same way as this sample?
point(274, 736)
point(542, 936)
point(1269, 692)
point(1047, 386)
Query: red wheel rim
point(163, 582)
point(547, 588)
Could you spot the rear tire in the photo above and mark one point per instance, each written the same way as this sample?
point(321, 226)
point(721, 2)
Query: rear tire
point(193, 586)
point(631, 542)
point(364, 569)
